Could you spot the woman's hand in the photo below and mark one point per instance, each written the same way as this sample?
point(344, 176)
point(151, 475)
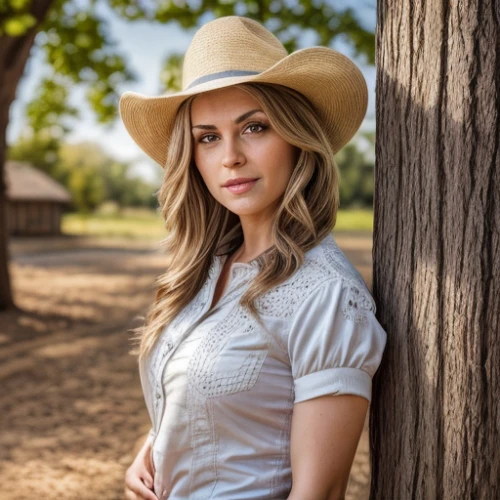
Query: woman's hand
point(139, 476)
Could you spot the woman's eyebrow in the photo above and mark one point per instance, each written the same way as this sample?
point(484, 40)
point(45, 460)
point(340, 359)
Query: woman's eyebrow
point(240, 118)
point(246, 115)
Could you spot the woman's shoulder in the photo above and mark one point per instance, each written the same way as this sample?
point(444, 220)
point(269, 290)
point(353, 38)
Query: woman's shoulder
point(326, 262)
point(323, 264)
point(328, 256)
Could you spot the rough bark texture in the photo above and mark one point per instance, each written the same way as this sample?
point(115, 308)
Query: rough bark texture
point(14, 53)
point(435, 416)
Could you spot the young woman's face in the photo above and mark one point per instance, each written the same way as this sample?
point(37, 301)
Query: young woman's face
point(233, 139)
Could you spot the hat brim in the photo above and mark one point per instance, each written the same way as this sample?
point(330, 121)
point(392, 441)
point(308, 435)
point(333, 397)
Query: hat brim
point(331, 81)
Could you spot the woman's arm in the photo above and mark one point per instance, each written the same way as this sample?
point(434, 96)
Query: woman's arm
point(324, 437)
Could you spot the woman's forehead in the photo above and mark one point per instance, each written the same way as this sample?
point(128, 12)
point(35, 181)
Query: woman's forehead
point(226, 102)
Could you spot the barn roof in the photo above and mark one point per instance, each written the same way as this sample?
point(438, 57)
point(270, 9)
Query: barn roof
point(25, 182)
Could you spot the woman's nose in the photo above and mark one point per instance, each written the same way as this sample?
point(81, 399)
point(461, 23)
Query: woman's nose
point(233, 155)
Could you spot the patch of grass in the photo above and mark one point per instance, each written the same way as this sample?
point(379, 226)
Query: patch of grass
point(354, 220)
point(140, 225)
point(148, 224)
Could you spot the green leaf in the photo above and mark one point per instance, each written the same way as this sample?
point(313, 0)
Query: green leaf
point(171, 74)
point(18, 25)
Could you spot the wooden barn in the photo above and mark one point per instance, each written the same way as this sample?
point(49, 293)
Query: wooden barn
point(35, 201)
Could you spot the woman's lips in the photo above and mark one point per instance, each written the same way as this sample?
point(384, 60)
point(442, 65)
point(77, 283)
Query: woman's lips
point(241, 188)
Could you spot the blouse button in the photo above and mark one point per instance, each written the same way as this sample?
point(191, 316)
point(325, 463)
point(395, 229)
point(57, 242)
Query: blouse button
point(158, 395)
point(169, 345)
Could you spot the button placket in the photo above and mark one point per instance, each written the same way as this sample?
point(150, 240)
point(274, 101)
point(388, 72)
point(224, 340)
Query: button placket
point(167, 348)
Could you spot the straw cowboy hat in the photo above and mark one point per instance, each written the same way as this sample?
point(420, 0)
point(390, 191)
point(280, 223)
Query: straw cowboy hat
point(232, 50)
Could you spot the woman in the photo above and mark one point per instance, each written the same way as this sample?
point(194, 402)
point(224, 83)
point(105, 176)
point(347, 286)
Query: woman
point(257, 355)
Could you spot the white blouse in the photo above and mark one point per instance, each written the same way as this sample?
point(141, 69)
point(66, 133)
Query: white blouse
point(220, 388)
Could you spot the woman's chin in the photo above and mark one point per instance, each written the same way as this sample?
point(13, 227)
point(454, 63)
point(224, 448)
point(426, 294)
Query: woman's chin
point(243, 209)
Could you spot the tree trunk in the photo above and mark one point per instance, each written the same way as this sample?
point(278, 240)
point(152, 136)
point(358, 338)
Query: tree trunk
point(14, 53)
point(435, 415)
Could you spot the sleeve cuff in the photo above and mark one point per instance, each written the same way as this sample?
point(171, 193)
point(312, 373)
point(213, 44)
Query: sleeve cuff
point(333, 381)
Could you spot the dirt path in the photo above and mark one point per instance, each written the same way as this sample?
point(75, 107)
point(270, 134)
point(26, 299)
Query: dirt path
point(72, 411)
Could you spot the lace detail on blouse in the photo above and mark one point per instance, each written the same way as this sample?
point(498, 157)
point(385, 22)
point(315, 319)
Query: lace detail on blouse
point(358, 300)
point(210, 375)
point(282, 300)
point(357, 304)
point(339, 264)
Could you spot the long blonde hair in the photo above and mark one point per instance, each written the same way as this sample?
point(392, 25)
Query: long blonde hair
point(199, 227)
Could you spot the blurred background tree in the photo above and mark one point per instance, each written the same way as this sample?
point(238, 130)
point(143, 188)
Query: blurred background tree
point(80, 50)
point(356, 177)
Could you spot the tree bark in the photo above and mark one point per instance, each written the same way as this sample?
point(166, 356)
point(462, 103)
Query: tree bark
point(14, 52)
point(435, 415)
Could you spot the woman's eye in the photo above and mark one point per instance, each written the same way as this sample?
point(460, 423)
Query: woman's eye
point(207, 138)
point(256, 127)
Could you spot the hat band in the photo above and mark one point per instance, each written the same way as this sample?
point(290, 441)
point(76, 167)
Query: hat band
point(222, 74)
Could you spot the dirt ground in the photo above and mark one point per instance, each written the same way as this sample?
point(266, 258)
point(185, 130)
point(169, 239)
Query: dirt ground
point(72, 411)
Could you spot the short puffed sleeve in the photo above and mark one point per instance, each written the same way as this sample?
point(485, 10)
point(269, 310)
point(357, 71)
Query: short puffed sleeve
point(335, 342)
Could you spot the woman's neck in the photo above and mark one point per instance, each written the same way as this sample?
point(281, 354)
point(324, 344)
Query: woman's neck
point(256, 240)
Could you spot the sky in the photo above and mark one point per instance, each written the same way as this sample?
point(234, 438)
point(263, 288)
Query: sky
point(146, 45)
